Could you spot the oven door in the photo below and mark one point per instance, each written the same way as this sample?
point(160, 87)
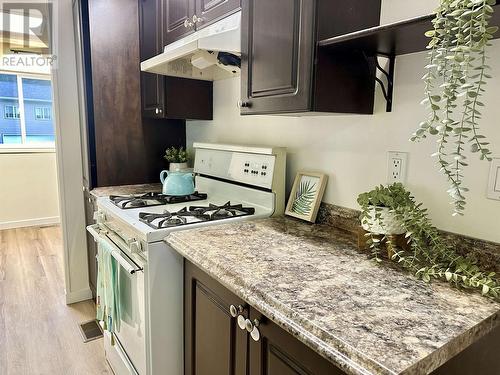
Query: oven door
point(128, 355)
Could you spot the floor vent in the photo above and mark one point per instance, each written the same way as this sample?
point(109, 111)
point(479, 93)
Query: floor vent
point(90, 330)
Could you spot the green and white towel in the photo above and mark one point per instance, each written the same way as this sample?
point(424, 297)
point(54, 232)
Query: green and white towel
point(108, 304)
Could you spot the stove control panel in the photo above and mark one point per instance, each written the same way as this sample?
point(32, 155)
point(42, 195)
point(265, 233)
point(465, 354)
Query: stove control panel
point(247, 168)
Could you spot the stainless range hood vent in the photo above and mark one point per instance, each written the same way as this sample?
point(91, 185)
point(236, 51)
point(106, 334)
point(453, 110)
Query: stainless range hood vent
point(210, 54)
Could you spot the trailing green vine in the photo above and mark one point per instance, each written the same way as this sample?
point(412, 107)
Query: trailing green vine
point(429, 256)
point(455, 81)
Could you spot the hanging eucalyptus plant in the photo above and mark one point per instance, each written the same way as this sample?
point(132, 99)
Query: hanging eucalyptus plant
point(455, 81)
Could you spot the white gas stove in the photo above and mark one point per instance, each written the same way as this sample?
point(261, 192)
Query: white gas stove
point(233, 183)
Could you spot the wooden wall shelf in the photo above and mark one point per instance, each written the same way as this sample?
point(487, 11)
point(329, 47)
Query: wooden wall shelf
point(393, 39)
point(389, 40)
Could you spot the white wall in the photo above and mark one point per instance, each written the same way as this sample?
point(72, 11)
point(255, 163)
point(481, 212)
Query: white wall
point(397, 10)
point(28, 189)
point(352, 149)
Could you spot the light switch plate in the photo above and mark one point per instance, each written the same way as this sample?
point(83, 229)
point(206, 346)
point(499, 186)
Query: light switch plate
point(494, 183)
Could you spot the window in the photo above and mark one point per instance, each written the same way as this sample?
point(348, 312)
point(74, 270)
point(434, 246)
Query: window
point(12, 112)
point(27, 103)
point(43, 113)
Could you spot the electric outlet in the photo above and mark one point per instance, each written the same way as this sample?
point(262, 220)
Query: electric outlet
point(396, 166)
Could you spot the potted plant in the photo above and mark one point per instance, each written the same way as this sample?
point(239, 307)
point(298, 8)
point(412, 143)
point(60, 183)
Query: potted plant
point(428, 256)
point(380, 218)
point(177, 157)
point(455, 80)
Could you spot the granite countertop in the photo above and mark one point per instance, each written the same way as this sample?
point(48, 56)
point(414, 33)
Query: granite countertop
point(125, 190)
point(312, 281)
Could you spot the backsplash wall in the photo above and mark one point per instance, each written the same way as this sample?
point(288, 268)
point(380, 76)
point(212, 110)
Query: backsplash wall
point(352, 149)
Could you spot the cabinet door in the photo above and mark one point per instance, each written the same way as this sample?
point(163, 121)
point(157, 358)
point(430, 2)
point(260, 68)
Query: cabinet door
point(210, 11)
point(177, 19)
point(214, 344)
point(277, 53)
point(152, 85)
point(279, 353)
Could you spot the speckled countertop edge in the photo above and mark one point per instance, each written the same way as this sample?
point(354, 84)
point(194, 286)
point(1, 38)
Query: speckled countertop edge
point(342, 354)
point(252, 298)
point(125, 190)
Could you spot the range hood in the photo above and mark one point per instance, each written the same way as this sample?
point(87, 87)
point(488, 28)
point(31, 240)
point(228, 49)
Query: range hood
point(211, 53)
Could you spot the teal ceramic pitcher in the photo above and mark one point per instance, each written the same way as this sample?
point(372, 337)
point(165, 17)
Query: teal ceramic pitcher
point(177, 183)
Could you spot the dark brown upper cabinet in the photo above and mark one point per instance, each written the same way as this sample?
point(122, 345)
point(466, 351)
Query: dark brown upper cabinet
point(162, 96)
point(177, 19)
point(152, 85)
point(182, 17)
point(118, 135)
point(210, 11)
point(282, 69)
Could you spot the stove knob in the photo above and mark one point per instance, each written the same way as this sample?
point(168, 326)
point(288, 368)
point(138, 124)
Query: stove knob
point(100, 217)
point(135, 247)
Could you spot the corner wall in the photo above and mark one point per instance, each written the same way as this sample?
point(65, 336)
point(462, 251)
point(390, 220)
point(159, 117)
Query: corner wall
point(352, 149)
point(28, 189)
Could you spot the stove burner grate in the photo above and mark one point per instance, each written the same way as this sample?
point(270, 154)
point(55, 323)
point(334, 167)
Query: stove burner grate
point(153, 199)
point(194, 214)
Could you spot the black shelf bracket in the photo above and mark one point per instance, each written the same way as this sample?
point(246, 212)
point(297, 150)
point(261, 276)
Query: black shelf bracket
point(387, 88)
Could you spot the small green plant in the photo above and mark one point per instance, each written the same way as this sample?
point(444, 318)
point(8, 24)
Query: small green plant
point(176, 155)
point(430, 257)
point(455, 81)
point(304, 198)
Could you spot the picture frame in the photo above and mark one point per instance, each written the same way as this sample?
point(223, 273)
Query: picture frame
point(306, 195)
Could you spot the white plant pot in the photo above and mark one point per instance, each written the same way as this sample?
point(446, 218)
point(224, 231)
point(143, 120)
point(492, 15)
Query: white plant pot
point(176, 167)
point(388, 224)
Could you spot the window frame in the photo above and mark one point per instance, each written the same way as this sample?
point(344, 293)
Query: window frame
point(43, 110)
point(31, 146)
point(16, 114)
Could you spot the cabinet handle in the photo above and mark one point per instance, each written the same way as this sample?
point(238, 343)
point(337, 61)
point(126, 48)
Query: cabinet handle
point(235, 310)
point(251, 327)
point(243, 104)
point(188, 24)
point(241, 322)
point(197, 19)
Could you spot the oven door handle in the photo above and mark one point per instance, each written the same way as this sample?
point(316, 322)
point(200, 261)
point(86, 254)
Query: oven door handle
point(95, 230)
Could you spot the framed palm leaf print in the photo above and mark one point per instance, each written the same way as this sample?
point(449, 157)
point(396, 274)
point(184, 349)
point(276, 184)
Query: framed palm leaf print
point(305, 197)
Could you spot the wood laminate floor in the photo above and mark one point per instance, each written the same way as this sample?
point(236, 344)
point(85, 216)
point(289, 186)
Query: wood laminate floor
point(39, 333)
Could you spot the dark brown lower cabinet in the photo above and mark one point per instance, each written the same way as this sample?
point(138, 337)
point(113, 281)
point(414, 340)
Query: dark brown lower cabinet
point(479, 358)
point(279, 353)
point(216, 345)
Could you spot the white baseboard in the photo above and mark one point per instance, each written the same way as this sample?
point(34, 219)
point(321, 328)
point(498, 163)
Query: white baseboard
point(78, 296)
point(30, 222)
